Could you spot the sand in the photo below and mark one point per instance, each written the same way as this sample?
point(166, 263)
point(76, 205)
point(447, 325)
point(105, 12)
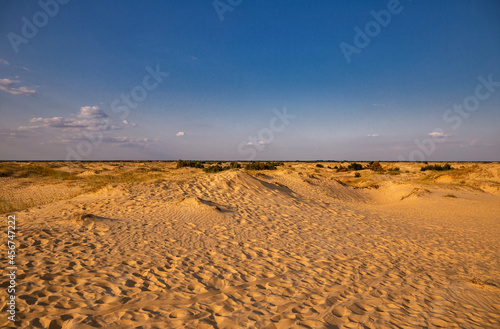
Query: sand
point(298, 247)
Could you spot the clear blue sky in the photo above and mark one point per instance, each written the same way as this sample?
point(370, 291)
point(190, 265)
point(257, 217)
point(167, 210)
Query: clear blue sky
point(396, 91)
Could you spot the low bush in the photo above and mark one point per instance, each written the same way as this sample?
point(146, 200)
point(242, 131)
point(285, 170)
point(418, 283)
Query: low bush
point(257, 165)
point(234, 165)
point(393, 171)
point(436, 167)
point(375, 166)
point(341, 168)
point(218, 167)
point(355, 166)
point(215, 168)
point(193, 164)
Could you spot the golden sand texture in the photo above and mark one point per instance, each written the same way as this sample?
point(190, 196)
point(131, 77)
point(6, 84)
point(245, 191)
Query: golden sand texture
point(297, 247)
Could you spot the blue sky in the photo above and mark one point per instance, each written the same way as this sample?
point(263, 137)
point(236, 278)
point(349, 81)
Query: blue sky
point(250, 80)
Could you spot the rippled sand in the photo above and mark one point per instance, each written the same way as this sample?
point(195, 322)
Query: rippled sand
point(298, 247)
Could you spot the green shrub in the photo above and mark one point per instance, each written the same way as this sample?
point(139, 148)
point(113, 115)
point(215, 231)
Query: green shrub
point(341, 168)
point(215, 168)
point(357, 175)
point(319, 165)
point(355, 166)
point(257, 165)
point(436, 167)
point(393, 171)
point(375, 166)
point(234, 165)
point(193, 164)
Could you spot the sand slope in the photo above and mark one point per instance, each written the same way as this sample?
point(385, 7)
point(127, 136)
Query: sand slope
point(279, 249)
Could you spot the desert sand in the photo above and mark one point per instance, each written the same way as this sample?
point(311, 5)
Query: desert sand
point(298, 247)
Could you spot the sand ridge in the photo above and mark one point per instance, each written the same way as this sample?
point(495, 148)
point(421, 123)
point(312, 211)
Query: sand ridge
point(293, 248)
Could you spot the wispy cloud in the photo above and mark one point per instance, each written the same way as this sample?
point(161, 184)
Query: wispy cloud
point(439, 134)
point(4, 62)
point(180, 133)
point(373, 135)
point(475, 142)
point(7, 86)
point(139, 142)
point(77, 125)
point(258, 143)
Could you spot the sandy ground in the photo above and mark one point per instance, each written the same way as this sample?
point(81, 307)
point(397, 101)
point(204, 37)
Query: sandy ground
point(298, 247)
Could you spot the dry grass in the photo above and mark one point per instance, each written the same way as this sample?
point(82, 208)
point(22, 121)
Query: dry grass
point(129, 177)
point(33, 170)
point(27, 185)
point(25, 193)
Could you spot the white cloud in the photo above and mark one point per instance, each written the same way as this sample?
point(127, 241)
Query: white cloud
point(20, 128)
point(4, 62)
point(90, 118)
point(373, 135)
point(60, 122)
point(258, 143)
point(74, 128)
point(125, 141)
point(439, 134)
point(6, 85)
point(91, 112)
point(180, 133)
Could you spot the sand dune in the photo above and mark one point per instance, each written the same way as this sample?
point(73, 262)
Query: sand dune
point(298, 247)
